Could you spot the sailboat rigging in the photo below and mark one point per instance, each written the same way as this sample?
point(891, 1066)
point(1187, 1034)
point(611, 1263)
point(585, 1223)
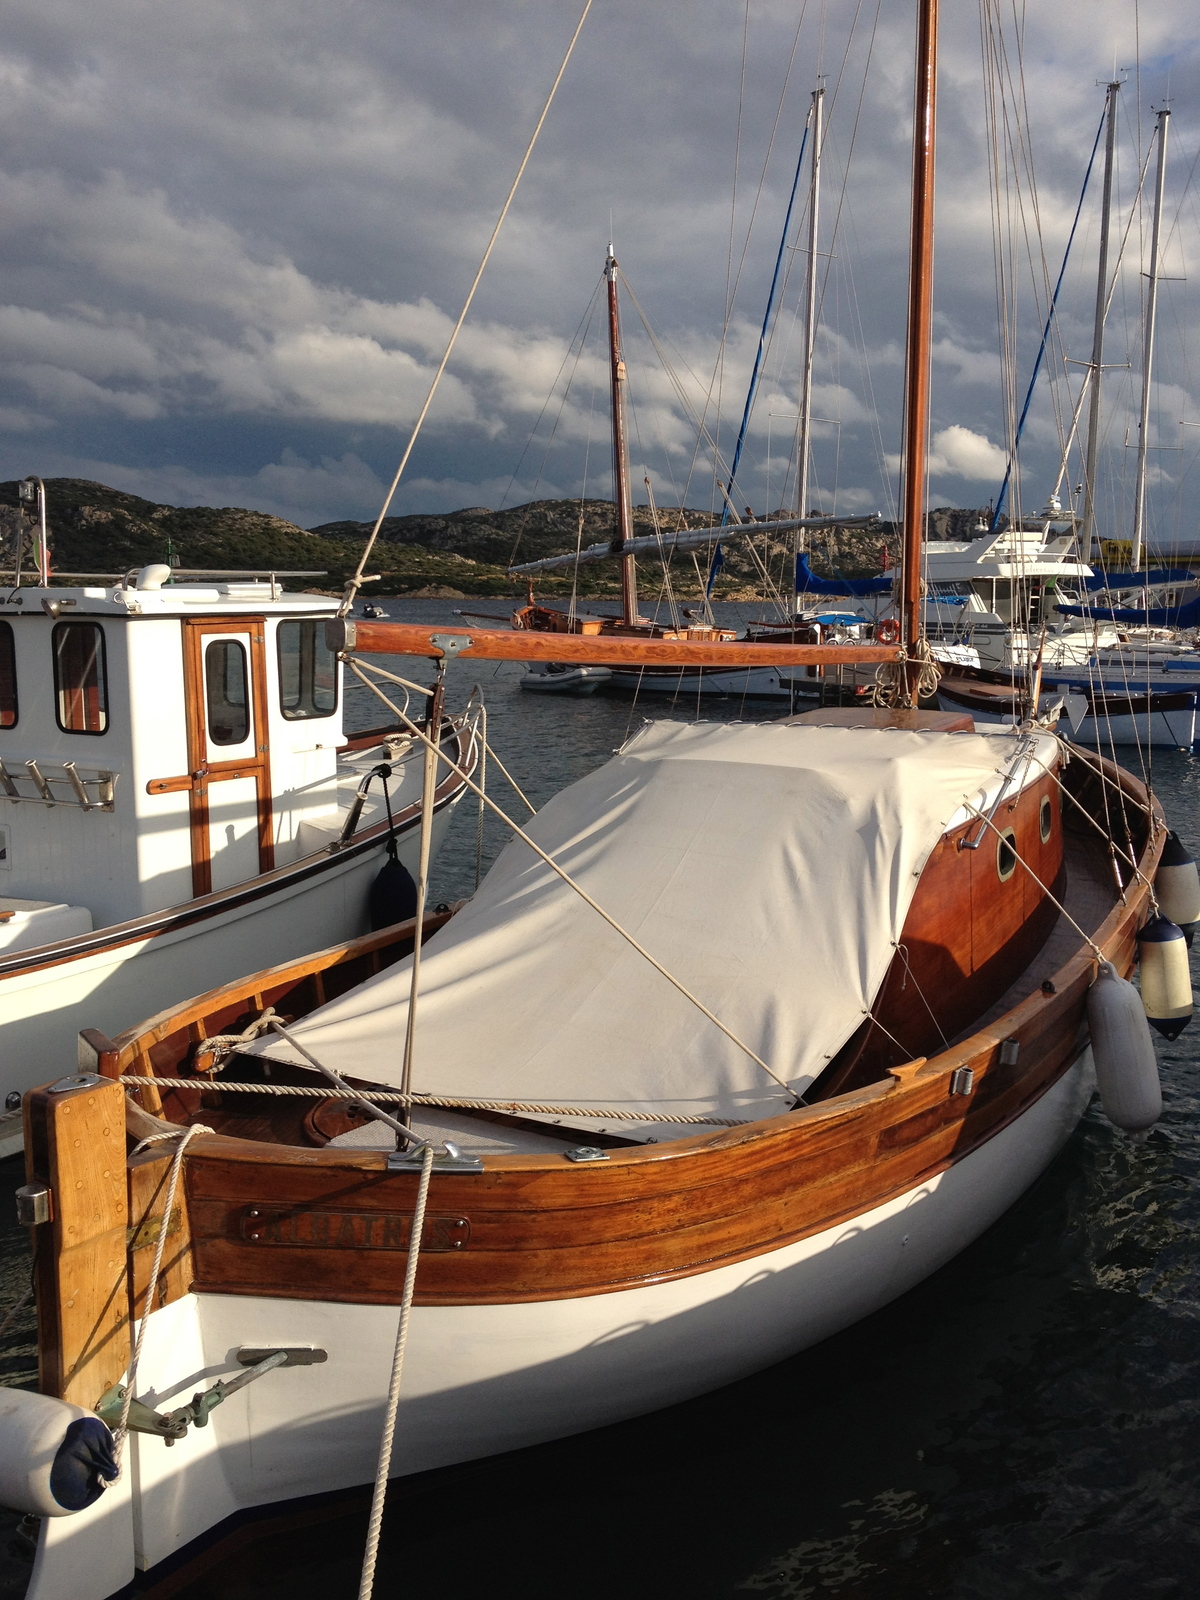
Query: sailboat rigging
point(744, 1034)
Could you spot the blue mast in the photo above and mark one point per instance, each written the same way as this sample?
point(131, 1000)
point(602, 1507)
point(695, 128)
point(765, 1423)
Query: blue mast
point(1037, 365)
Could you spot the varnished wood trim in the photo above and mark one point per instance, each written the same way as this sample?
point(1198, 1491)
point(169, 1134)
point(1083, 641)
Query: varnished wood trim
point(537, 1227)
point(497, 644)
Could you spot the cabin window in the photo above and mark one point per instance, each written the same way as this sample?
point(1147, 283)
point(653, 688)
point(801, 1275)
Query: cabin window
point(8, 676)
point(1006, 855)
point(308, 684)
point(1045, 819)
point(225, 681)
point(80, 678)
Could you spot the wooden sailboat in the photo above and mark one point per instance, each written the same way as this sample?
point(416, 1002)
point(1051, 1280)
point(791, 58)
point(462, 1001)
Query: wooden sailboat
point(734, 672)
point(747, 1033)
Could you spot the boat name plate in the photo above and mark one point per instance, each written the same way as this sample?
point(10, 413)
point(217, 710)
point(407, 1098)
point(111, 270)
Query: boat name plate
point(349, 1230)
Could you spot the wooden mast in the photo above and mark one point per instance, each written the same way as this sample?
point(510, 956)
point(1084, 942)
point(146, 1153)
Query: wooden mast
point(621, 486)
point(920, 311)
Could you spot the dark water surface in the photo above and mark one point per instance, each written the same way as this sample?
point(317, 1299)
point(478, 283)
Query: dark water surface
point(1023, 1424)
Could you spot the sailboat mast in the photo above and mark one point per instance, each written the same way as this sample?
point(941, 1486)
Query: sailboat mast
point(920, 323)
point(1139, 499)
point(622, 492)
point(810, 303)
point(1087, 527)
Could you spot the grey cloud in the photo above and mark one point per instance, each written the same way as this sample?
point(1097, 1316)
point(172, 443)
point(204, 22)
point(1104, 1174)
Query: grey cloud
point(270, 212)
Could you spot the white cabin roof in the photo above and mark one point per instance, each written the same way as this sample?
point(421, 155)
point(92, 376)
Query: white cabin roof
point(177, 600)
point(1013, 553)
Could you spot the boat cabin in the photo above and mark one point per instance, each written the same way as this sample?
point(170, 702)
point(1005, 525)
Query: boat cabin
point(158, 741)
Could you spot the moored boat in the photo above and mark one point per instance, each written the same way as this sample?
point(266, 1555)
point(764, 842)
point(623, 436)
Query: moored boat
point(176, 796)
point(596, 1243)
point(743, 1035)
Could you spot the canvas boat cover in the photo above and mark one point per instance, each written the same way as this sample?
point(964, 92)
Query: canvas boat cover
point(768, 867)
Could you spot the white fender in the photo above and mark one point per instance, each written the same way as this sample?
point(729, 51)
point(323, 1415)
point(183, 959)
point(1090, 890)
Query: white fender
point(1177, 884)
point(1165, 976)
point(1123, 1051)
point(54, 1457)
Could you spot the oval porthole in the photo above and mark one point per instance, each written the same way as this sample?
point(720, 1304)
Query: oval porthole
point(1006, 855)
point(1045, 819)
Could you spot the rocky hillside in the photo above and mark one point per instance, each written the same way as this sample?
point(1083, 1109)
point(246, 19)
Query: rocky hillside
point(102, 531)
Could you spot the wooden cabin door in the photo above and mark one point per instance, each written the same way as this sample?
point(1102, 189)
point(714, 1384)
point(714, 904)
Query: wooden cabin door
point(225, 684)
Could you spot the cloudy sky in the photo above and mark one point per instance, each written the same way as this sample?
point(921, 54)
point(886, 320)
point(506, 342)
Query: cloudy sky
point(235, 236)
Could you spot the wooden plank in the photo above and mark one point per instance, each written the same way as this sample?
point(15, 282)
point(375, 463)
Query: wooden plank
point(76, 1144)
point(499, 644)
point(148, 1176)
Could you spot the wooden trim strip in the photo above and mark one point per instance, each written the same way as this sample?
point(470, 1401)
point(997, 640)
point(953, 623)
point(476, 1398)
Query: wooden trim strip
point(499, 644)
point(308, 1223)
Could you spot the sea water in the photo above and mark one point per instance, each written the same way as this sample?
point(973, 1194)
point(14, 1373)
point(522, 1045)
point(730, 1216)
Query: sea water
point(1025, 1423)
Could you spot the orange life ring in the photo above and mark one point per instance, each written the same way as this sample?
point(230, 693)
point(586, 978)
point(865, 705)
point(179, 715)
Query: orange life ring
point(887, 631)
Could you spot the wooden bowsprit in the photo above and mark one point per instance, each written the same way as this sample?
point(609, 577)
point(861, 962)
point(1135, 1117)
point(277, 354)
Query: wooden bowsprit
point(497, 644)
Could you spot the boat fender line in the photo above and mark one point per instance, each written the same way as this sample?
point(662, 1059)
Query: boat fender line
point(1166, 979)
point(1177, 885)
point(1123, 1052)
point(55, 1457)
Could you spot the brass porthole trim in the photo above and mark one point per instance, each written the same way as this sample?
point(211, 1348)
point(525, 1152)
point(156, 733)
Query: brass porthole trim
point(1006, 855)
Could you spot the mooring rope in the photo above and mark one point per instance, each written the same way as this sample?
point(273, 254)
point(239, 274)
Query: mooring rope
point(417, 1100)
point(375, 1525)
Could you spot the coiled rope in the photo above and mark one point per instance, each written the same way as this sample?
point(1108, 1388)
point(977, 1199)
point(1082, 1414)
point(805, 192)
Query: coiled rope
point(892, 686)
point(416, 1100)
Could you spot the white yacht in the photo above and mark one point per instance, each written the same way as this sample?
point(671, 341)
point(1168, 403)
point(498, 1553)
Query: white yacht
point(178, 802)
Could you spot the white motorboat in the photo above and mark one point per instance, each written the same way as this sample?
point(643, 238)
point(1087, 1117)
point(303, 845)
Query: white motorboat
point(175, 793)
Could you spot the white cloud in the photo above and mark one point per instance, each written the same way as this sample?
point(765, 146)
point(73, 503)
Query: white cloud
point(959, 453)
point(271, 212)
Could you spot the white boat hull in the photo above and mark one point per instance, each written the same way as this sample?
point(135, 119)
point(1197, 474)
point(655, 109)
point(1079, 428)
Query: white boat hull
point(554, 677)
point(42, 1011)
point(1170, 730)
point(758, 683)
point(480, 1380)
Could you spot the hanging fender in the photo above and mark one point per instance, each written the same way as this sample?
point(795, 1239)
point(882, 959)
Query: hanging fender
point(55, 1458)
point(1166, 979)
point(1177, 885)
point(1123, 1052)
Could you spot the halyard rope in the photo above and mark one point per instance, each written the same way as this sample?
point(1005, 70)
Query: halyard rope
point(375, 1525)
point(416, 1100)
point(356, 581)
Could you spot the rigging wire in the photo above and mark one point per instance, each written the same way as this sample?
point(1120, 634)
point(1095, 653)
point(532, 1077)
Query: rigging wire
point(357, 580)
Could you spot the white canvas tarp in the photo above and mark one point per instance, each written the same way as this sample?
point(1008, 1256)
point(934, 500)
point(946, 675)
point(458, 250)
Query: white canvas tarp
point(768, 867)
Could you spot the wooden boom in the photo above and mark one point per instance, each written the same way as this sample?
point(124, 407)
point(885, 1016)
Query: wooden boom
point(502, 644)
